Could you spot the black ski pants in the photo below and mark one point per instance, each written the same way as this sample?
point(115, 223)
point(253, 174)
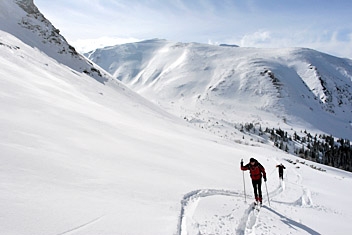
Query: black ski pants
point(257, 186)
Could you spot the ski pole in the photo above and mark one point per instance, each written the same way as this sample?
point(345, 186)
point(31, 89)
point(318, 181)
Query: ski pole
point(244, 184)
point(267, 193)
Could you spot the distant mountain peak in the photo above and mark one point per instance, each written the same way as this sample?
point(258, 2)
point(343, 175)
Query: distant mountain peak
point(290, 86)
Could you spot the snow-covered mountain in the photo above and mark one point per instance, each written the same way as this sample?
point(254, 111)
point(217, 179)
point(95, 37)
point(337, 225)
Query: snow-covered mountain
point(288, 87)
point(90, 156)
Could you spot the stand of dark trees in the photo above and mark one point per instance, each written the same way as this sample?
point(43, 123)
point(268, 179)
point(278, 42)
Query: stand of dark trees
point(323, 148)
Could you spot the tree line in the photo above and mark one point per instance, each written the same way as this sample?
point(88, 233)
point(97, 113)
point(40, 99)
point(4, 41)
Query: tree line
point(324, 149)
point(321, 148)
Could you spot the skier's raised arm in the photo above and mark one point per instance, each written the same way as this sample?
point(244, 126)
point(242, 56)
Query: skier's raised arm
point(244, 168)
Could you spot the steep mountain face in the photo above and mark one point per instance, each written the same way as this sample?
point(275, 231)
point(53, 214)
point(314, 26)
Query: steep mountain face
point(290, 88)
point(22, 19)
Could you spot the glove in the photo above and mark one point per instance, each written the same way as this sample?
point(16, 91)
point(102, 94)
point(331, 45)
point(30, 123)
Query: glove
point(264, 178)
point(241, 162)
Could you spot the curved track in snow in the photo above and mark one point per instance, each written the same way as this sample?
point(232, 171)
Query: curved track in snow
point(190, 203)
point(225, 212)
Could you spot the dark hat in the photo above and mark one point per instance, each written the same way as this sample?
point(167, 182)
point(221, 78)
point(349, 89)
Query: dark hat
point(252, 160)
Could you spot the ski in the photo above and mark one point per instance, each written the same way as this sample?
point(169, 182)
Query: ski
point(256, 205)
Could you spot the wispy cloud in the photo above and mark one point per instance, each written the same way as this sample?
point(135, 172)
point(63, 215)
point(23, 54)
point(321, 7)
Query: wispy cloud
point(89, 44)
point(256, 39)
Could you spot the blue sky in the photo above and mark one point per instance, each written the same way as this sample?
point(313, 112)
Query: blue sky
point(324, 25)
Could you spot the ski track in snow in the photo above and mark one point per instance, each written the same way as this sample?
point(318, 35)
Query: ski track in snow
point(191, 199)
point(247, 223)
point(72, 230)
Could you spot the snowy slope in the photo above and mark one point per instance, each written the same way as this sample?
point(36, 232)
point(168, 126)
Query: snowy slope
point(83, 157)
point(75, 151)
point(22, 19)
point(290, 87)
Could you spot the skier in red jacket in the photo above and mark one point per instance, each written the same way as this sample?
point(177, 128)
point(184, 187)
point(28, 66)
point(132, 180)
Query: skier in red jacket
point(257, 172)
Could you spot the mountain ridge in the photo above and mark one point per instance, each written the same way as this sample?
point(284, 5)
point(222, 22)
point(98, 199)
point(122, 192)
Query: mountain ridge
point(40, 33)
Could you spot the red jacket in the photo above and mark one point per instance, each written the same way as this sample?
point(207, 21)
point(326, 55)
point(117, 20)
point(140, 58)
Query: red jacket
point(256, 170)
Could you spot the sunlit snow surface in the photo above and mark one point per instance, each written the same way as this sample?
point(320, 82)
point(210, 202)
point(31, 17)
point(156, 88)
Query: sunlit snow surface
point(79, 156)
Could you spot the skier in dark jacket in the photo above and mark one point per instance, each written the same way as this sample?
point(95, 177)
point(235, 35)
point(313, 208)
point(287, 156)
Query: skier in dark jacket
point(257, 172)
point(281, 171)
